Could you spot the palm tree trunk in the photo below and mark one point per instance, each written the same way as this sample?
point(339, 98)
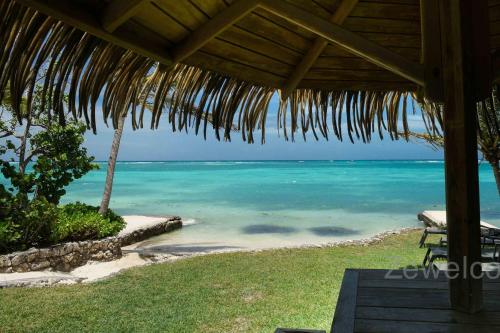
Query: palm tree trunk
point(115, 147)
point(23, 146)
point(495, 165)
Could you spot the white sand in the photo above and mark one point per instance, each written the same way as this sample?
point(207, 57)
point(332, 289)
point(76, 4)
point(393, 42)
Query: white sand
point(94, 271)
point(135, 222)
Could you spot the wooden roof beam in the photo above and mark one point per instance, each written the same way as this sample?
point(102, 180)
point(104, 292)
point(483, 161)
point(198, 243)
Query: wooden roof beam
point(118, 12)
point(212, 28)
point(349, 40)
point(70, 12)
point(319, 45)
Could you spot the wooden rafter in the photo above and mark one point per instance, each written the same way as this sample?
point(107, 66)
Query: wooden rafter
point(73, 14)
point(119, 11)
point(212, 28)
point(351, 41)
point(317, 48)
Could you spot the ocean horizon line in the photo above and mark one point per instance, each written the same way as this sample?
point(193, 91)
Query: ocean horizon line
point(280, 160)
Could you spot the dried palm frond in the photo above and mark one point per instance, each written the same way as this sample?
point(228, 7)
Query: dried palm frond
point(93, 72)
point(488, 130)
point(488, 113)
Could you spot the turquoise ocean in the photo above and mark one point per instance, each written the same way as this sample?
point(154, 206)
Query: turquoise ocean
point(279, 203)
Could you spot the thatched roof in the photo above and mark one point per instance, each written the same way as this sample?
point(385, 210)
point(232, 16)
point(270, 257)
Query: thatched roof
point(226, 58)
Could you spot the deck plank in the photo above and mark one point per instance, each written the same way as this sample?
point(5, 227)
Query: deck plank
point(389, 301)
point(417, 284)
point(378, 326)
point(344, 316)
point(427, 315)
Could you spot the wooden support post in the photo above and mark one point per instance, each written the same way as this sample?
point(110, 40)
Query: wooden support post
point(466, 76)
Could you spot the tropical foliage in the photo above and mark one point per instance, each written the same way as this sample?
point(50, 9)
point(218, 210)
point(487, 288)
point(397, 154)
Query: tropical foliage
point(29, 196)
point(60, 159)
point(40, 158)
point(25, 223)
point(79, 221)
point(489, 132)
point(488, 135)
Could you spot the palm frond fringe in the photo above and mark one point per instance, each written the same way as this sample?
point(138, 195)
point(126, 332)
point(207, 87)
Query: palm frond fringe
point(79, 71)
point(488, 129)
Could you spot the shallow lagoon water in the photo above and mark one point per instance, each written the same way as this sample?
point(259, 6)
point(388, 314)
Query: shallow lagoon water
point(257, 204)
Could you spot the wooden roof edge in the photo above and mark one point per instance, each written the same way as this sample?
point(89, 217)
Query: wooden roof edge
point(77, 16)
point(129, 76)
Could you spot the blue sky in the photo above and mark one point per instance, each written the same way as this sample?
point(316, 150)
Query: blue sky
point(163, 144)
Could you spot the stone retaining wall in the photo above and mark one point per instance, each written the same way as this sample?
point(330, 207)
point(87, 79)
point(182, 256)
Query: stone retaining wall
point(138, 235)
point(64, 257)
point(61, 257)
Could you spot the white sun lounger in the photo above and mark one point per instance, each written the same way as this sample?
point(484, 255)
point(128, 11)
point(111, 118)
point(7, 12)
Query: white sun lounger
point(435, 221)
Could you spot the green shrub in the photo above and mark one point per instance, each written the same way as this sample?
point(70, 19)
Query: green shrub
point(42, 223)
point(79, 221)
point(48, 161)
point(9, 236)
point(28, 227)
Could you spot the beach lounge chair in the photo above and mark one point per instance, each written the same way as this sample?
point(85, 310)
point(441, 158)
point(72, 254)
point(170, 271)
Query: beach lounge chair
point(435, 221)
point(433, 253)
point(485, 241)
point(430, 231)
point(485, 266)
point(489, 254)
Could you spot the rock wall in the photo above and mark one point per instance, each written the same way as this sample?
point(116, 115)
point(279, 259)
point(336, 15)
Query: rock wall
point(67, 256)
point(61, 257)
point(138, 235)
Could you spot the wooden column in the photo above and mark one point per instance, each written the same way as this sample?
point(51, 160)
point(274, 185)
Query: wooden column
point(466, 79)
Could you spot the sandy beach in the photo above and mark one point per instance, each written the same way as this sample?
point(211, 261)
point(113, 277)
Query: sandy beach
point(146, 253)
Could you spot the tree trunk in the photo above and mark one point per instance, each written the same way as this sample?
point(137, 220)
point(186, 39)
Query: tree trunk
point(115, 147)
point(23, 163)
point(495, 165)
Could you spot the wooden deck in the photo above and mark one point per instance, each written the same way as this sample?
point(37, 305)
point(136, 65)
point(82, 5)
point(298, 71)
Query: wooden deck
point(370, 301)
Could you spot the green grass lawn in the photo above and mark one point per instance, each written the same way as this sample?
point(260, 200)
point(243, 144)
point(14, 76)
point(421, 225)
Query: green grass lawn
point(238, 292)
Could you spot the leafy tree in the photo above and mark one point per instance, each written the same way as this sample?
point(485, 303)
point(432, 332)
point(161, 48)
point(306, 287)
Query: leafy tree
point(55, 151)
point(50, 157)
point(60, 159)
